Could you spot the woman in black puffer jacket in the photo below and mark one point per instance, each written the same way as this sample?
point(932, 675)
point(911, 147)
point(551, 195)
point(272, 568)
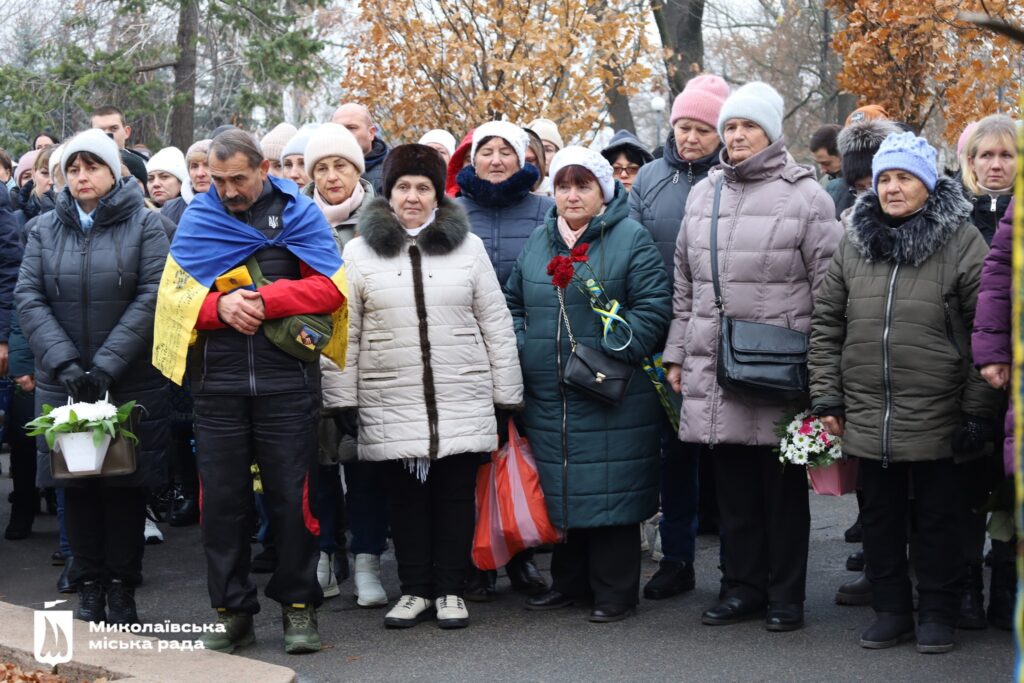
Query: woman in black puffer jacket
point(86, 297)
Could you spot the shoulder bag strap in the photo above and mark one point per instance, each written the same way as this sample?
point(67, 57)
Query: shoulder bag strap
point(714, 244)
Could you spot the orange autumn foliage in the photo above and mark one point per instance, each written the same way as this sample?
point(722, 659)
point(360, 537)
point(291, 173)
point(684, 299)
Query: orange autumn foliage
point(918, 60)
point(454, 64)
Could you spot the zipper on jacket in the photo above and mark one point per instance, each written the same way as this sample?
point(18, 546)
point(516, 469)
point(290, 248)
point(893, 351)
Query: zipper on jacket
point(689, 173)
point(992, 208)
point(252, 366)
point(887, 368)
point(202, 378)
point(675, 177)
point(86, 263)
point(949, 326)
point(565, 435)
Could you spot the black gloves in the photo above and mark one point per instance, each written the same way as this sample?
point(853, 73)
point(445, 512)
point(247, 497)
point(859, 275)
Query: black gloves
point(347, 421)
point(98, 385)
point(74, 380)
point(502, 416)
point(972, 434)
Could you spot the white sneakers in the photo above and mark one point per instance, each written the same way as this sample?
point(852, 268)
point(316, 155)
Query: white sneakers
point(152, 532)
point(325, 575)
point(409, 611)
point(452, 612)
point(368, 588)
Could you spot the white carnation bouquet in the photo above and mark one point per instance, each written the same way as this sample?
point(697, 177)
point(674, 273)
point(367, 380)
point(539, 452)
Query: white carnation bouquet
point(805, 441)
point(101, 418)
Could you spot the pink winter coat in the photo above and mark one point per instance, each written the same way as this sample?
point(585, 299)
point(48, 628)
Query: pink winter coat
point(776, 234)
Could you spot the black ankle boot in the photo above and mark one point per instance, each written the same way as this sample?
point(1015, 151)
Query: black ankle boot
point(91, 602)
point(1002, 595)
point(121, 604)
point(480, 585)
point(856, 592)
point(184, 512)
point(972, 600)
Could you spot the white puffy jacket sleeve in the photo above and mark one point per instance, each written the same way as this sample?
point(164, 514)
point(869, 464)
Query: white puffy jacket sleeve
point(495, 321)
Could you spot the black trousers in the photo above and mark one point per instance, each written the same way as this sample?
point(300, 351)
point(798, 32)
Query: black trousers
point(599, 562)
point(938, 550)
point(432, 523)
point(765, 521)
point(279, 433)
point(24, 498)
point(105, 527)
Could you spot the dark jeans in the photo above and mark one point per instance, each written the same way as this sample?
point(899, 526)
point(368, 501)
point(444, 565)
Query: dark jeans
point(432, 523)
point(366, 500)
point(679, 497)
point(105, 527)
point(765, 520)
point(600, 562)
point(938, 552)
point(279, 432)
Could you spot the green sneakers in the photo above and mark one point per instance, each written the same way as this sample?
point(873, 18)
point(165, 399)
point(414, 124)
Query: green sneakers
point(232, 630)
point(300, 629)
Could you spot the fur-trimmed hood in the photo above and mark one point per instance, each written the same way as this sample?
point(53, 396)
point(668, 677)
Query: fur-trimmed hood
point(380, 227)
point(945, 210)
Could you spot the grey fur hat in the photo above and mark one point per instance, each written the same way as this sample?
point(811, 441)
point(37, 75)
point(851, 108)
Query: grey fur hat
point(858, 143)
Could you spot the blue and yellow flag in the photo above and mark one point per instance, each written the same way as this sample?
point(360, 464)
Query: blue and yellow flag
point(209, 242)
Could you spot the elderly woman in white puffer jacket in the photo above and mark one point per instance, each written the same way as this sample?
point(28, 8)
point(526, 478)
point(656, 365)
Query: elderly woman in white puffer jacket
point(432, 357)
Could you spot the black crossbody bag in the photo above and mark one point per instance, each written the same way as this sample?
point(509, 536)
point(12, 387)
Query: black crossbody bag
point(591, 371)
point(756, 358)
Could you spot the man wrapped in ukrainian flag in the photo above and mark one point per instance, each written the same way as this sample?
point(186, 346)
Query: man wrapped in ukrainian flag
point(252, 293)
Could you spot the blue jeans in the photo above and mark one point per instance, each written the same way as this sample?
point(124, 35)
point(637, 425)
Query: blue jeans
point(65, 544)
point(366, 502)
point(328, 491)
point(679, 496)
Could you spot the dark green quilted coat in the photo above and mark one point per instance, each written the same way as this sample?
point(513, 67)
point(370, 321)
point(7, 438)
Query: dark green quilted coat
point(598, 464)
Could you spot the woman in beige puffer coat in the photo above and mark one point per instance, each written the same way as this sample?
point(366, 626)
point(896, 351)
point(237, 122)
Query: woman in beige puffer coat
point(432, 356)
point(776, 234)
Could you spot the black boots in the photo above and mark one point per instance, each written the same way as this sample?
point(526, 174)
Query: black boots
point(1002, 595)
point(91, 602)
point(889, 629)
point(525, 577)
point(480, 585)
point(672, 578)
point(121, 604)
point(856, 592)
point(184, 512)
point(972, 600)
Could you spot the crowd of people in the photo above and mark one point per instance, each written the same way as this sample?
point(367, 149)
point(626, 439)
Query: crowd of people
point(328, 336)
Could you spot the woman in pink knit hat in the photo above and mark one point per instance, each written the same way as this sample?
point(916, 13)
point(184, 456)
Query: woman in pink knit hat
point(657, 200)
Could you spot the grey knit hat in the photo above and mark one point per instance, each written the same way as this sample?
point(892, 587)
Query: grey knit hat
point(757, 102)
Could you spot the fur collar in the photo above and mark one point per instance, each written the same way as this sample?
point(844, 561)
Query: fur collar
point(379, 226)
point(913, 242)
point(498, 195)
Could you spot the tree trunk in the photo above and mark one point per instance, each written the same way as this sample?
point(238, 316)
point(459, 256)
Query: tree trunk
point(184, 111)
point(618, 109)
point(680, 25)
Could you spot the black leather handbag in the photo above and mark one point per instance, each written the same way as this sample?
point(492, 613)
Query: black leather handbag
point(592, 372)
point(756, 358)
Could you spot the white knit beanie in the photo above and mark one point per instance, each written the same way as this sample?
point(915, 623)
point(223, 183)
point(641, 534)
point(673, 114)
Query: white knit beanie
point(547, 130)
point(509, 132)
point(171, 160)
point(757, 102)
point(273, 142)
point(94, 141)
point(332, 140)
point(574, 155)
point(55, 157)
point(297, 145)
point(439, 137)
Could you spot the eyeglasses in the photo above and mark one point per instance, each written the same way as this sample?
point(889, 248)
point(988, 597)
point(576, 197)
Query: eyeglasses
point(630, 170)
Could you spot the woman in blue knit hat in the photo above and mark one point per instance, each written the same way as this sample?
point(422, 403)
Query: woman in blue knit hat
point(892, 373)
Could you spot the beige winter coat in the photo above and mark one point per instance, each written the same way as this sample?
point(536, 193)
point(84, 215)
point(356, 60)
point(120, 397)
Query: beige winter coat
point(431, 346)
point(776, 234)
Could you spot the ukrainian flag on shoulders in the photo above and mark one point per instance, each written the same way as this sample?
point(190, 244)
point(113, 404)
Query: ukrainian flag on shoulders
point(209, 242)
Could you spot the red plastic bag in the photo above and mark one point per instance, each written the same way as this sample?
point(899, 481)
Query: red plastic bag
point(510, 511)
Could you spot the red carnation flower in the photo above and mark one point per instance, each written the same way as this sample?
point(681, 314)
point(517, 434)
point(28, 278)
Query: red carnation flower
point(562, 273)
point(579, 253)
point(553, 264)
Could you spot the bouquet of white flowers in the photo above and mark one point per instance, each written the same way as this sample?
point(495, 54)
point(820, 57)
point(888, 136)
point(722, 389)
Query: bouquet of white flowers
point(101, 418)
point(804, 441)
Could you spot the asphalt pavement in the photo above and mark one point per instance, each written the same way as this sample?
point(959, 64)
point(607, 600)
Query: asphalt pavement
point(665, 641)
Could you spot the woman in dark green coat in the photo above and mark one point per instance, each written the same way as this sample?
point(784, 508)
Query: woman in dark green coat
point(598, 463)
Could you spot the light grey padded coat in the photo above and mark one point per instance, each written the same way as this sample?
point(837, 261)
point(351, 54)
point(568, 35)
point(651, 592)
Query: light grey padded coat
point(431, 345)
point(776, 234)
